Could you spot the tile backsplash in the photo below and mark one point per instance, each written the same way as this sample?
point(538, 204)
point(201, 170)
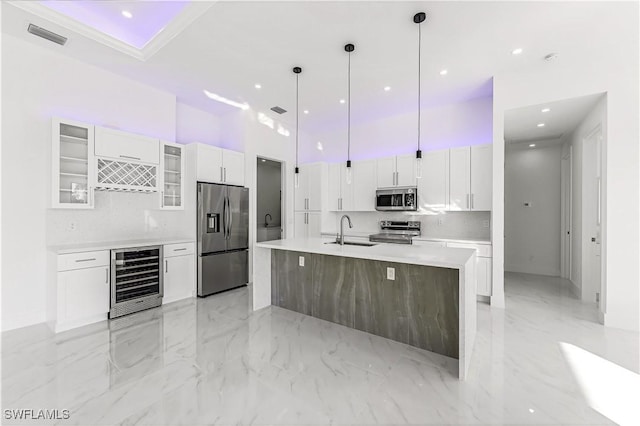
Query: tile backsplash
point(441, 225)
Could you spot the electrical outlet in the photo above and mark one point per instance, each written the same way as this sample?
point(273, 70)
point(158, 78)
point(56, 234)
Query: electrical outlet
point(301, 260)
point(72, 226)
point(440, 221)
point(485, 223)
point(391, 274)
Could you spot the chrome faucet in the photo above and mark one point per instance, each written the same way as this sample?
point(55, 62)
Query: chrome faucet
point(341, 238)
point(266, 222)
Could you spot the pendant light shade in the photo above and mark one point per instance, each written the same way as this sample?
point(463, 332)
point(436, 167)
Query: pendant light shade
point(296, 176)
point(419, 18)
point(349, 48)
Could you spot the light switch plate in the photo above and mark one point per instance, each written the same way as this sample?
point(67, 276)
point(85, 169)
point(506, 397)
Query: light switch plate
point(301, 260)
point(391, 274)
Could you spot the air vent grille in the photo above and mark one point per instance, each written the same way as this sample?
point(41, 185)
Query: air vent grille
point(278, 110)
point(46, 34)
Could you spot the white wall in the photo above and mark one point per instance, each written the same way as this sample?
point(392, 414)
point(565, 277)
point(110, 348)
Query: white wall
point(194, 125)
point(532, 234)
point(449, 126)
point(39, 83)
point(617, 75)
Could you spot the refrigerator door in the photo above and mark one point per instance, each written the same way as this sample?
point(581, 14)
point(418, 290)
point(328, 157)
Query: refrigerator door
point(222, 271)
point(211, 214)
point(238, 224)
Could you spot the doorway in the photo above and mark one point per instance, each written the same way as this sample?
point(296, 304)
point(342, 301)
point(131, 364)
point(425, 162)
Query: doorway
point(269, 200)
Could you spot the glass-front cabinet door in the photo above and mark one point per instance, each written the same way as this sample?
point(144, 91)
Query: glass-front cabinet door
point(72, 168)
point(172, 167)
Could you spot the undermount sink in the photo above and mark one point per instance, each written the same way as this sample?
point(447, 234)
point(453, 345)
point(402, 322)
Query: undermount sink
point(351, 243)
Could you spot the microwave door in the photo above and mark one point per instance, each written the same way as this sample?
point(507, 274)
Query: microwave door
point(211, 218)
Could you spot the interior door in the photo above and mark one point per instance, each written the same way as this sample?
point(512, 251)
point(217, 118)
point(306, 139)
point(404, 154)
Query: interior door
point(211, 212)
point(592, 212)
point(238, 224)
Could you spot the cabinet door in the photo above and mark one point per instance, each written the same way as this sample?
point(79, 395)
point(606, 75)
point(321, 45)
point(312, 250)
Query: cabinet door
point(483, 272)
point(364, 185)
point(459, 179)
point(209, 164)
point(171, 176)
point(83, 293)
point(301, 193)
point(300, 224)
point(314, 186)
point(73, 165)
point(313, 225)
point(386, 172)
point(179, 278)
point(347, 189)
point(432, 187)
point(481, 177)
point(233, 167)
point(333, 186)
point(126, 146)
point(406, 170)
point(292, 286)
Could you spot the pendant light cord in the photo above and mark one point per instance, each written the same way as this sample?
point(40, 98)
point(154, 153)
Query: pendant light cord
point(297, 117)
point(349, 111)
point(419, 74)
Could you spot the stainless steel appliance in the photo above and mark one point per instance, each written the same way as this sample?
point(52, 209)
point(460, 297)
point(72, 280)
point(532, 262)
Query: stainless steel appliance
point(223, 237)
point(397, 199)
point(396, 231)
point(136, 280)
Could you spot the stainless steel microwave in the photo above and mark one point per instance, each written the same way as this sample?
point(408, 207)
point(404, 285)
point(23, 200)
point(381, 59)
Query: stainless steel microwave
point(405, 199)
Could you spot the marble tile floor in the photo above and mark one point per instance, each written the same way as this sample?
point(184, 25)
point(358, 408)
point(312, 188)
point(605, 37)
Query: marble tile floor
point(213, 361)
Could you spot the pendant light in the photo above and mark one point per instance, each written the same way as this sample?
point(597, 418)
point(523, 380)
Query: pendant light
point(419, 18)
point(349, 48)
point(296, 180)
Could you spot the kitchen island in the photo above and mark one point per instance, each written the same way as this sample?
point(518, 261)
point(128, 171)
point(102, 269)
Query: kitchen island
point(421, 296)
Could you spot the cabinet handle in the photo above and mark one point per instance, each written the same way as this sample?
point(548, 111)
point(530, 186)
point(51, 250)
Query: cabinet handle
point(307, 218)
point(467, 200)
point(85, 260)
point(166, 265)
point(162, 199)
point(180, 249)
point(471, 200)
point(130, 158)
point(106, 270)
point(221, 180)
point(225, 174)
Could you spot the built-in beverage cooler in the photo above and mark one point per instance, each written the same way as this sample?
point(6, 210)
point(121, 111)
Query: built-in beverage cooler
point(136, 280)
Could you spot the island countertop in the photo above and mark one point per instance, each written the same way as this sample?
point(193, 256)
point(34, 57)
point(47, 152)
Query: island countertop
point(455, 258)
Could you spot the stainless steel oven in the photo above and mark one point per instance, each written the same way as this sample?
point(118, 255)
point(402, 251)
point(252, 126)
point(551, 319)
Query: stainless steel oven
point(397, 199)
point(136, 280)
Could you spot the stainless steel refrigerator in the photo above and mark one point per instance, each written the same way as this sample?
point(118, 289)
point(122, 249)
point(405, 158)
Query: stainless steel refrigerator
point(223, 237)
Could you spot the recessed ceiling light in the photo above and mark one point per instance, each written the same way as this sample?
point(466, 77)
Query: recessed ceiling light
point(443, 72)
point(532, 145)
point(342, 101)
point(258, 86)
point(306, 111)
point(546, 109)
point(516, 51)
point(531, 410)
point(540, 124)
point(319, 146)
point(263, 160)
point(387, 88)
point(127, 14)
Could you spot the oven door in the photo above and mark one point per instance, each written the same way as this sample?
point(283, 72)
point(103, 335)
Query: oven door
point(389, 199)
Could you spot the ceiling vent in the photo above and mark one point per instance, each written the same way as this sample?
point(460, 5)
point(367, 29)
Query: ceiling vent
point(278, 110)
point(46, 34)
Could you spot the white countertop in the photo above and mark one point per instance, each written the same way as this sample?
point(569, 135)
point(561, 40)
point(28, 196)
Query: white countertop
point(455, 258)
point(108, 245)
point(360, 234)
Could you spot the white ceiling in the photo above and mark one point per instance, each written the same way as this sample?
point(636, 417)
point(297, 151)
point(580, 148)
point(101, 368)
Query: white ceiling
point(521, 124)
point(233, 45)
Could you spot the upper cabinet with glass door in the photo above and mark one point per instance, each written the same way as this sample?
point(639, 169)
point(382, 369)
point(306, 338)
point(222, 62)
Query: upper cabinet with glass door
point(172, 185)
point(72, 164)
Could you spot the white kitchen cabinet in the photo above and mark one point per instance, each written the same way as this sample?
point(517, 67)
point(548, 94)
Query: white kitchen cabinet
point(172, 162)
point(83, 289)
point(308, 194)
point(179, 272)
point(73, 164)
point(433, 187)
point(119, 145)
point(307, 224)
point(334, 188)
point(232, 167)
point(396, 171)
point(481, 177)
point(364, 186)
point(470, 178)
point(483, 265)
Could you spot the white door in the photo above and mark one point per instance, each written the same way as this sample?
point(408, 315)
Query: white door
point(84, 293)
point(233, 167)
point(591, 217)
point(209, 164)
point(364, 185)
point(179, 278)
point(300, 224)
point(386, 172)
point(313, 225)
point(432, 187)
point(406, 170)
point(481, 177)
point(459, 179)
point(314, 186)
point(567, 195)
point(333, 190)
